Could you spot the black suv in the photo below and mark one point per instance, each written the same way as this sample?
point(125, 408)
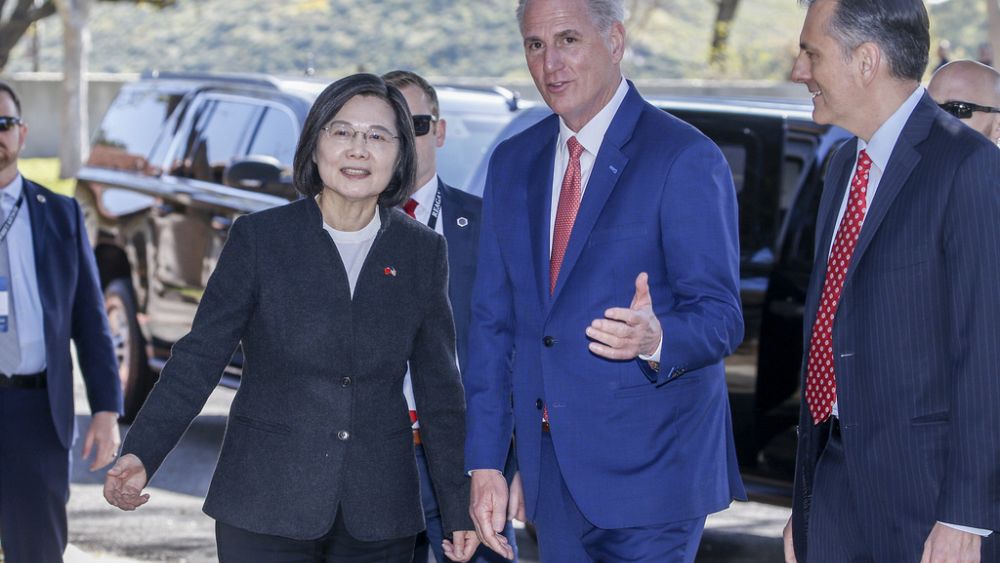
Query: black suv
point(177, 158)
point(778, 157)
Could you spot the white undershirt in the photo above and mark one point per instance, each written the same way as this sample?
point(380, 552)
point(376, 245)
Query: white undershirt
point(354, 246)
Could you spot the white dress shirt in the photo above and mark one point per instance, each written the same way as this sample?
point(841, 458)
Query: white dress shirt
point(24, 282)
point(879, 149)
point(425, 204)
point(590, 136)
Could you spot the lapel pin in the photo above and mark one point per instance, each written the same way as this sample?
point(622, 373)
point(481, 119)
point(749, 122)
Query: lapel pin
point(462, 222)
point(612, 169)
point(390, 271)
point(40, 198)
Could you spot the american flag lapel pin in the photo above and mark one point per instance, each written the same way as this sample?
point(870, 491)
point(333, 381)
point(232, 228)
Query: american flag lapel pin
point(390, 271)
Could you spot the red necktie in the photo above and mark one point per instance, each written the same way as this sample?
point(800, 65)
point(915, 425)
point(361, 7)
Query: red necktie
point(821, 384)
point(569, 204)
point(410, 207)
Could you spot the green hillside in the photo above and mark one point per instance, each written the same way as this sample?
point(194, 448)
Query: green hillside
point(471, 38)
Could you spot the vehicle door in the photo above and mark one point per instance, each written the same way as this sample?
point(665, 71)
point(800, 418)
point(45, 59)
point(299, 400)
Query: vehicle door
point(809, 149)
point(191, 220)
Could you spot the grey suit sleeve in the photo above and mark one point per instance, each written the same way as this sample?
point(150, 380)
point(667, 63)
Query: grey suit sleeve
point(198, 359)
point(437, 388)
point(970, 493)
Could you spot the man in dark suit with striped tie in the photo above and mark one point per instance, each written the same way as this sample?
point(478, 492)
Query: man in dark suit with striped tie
point(455, 215)
point(899, 446)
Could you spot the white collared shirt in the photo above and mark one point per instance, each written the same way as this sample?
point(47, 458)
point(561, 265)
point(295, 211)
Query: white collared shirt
point(590, 136)
point(425, 203)
point(24, 282)
point(879, 149)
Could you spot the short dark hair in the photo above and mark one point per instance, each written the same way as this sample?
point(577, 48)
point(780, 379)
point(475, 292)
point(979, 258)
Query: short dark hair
point(404, 78)
point(306, 175)
point(901, 28)
point(9, 90)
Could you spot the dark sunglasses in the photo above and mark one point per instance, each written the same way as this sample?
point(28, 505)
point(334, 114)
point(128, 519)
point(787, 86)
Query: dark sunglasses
point(422, 124)
point(963, 110)
point(8, 122)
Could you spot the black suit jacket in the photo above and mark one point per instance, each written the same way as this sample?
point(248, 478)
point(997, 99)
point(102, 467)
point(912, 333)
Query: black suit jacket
point(319, 421)
point(461, 213)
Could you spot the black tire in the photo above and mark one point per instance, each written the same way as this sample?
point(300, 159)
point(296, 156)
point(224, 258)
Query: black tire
point(133, 366)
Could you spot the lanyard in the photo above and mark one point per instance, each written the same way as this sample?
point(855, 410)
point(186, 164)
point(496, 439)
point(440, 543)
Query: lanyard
point(435, 211)
point(10, 218)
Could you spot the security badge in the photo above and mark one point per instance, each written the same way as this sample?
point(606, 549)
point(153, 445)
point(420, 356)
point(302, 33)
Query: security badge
point(4, 303)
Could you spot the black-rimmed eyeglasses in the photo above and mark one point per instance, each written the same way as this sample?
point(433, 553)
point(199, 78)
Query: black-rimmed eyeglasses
point(964, 110)
point(8, 122)
point(422, 124)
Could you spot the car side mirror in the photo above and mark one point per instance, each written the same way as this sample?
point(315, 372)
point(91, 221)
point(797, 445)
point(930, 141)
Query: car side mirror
point(258, 173)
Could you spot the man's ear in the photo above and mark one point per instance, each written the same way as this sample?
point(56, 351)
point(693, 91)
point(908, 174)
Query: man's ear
point(440, 132)
point(868, 57)
point(617, 37)
point(995, 129)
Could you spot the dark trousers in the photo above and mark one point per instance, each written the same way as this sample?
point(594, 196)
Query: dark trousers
point(566, 536)
point(841, 532)
point(431, 539)
point(34, 479)
point(236, 545)
point(835, 535)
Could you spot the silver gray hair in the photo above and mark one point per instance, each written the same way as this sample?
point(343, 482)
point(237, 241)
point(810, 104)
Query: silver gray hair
point(604, 13)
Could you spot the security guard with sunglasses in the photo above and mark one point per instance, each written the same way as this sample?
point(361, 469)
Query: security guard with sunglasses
point(455, 215)
point(971, 92)
point(49, 294)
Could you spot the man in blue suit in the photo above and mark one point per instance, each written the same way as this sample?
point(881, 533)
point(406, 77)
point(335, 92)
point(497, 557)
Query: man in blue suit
point(49, 294)
point(899, 445)
point(606, 297)
point(456, 215)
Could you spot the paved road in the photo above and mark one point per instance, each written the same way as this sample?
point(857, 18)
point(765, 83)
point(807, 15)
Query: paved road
point(171, 527)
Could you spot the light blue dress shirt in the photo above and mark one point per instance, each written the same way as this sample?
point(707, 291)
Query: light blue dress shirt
point(24, 281)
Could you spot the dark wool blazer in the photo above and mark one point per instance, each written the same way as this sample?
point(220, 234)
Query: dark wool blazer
point(320, 421)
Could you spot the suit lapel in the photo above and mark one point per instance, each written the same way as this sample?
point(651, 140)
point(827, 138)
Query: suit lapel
point(901, 163)
point(36, 202)
point(834, 187)
point(608, 168)
point(539, 193)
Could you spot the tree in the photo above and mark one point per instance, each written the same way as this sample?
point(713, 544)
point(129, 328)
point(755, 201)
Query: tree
point(639, 12)
point(18, 22)
point(720, 32)
point(75, 14)
point(74, 145)
point(993, 19)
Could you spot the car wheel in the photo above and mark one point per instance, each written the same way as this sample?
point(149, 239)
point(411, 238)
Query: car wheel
point(133, 367)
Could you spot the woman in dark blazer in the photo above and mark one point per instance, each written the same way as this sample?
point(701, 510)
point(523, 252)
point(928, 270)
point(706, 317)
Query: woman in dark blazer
point(331, 297)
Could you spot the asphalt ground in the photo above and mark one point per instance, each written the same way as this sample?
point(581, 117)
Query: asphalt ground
point(172, 528)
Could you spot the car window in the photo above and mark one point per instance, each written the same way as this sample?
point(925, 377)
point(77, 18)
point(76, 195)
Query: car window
point(218, 135)
point(130, 127)
point(469, 136)
point(277, 135)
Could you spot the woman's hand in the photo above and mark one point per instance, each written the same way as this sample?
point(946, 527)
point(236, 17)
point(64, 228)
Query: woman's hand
point(462, 546)
point(124, 483)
